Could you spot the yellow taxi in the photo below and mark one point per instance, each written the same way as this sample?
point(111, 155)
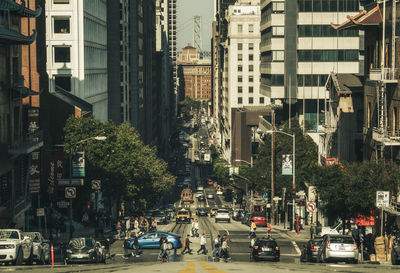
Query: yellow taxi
point(183, 216)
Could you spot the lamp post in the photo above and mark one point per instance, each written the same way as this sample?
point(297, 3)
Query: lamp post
point(98, 138)
point(294, 168)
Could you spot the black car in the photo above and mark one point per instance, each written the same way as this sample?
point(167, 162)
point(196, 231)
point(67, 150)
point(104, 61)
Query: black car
point(160, 217)
point(84, 250)
point(309, 252)
point(201, 212)
point(265, 249)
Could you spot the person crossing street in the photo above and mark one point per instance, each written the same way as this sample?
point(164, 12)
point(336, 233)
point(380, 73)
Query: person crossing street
point(186, 244)
point(203, 242)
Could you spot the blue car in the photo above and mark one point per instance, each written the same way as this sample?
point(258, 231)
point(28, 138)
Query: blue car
point(151, 240)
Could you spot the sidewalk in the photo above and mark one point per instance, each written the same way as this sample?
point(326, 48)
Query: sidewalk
point(304, 234)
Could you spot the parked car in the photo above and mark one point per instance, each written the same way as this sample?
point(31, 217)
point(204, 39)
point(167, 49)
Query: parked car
point(151, 240)
point(309, 252)
point(222, 215)
point(15, 247)
point(265, 249)
point(160, 217)
point(201, 212)
point(338, 248)
point(84, 250)
point(41, 247)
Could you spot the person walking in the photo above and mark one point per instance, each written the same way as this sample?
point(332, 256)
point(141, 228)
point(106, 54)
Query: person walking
point(203, 242)
point(186, 244)
point(253, 228)
point(118, 228)
point(128, 228)
point(136, 225)
point(136, 245)
point(217, 247)
point(269, 230)
point(225, 249)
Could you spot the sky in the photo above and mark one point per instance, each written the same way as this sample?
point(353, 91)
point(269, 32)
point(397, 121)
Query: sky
point(186, 10)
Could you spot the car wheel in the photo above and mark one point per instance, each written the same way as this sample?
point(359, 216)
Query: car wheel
point(18, 259)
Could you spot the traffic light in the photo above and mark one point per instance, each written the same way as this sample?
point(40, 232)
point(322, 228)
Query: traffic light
point(88, 206)
point(294, 190)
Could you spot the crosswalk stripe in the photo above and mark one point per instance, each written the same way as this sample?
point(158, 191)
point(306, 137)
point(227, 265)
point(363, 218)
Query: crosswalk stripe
point(210, 268)
point(189, 268)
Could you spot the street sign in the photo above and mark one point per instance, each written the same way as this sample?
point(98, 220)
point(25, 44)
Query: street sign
point(382, 199)
point(277, 198)
point(230, 170)
point(70, 192)
point(40, 212)
point(311, 206)
point(62, 204)
point(70, 182)
point(96, 184)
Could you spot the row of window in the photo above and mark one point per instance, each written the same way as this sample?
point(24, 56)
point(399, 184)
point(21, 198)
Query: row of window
point(273, 56)
point(324, 31)
point(251, 100)
point(240, 46)
point(240, 57)
point(250, 28)
point(302, 80)
point(250, 79)
point(240, 89)
point(328, 5)
point(327, 55)
point(251, 68)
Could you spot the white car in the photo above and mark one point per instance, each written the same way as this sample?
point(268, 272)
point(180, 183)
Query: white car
point(222, 215)
point(15, 247)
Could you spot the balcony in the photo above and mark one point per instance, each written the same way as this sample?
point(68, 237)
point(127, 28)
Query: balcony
point(389, 75)
point(27, 144)
point(386, 138)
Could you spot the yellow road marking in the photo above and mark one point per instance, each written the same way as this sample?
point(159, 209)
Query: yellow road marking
point(210, 268)
point(189, 268)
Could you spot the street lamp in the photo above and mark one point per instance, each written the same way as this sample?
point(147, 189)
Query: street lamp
point(247, 162)
point(99, 138)
point(294, 168)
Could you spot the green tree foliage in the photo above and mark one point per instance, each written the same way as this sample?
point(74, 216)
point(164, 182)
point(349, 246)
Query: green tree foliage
point(221, 173)
point(128, 167)
point(188, 105)
point(306, 160)
point(351, 189)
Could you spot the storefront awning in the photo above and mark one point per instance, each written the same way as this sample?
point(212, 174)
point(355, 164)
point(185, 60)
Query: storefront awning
point(8, 36)
point(361, 20)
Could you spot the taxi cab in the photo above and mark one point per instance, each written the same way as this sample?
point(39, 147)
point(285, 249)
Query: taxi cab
point(213, 211)
point(183, 216)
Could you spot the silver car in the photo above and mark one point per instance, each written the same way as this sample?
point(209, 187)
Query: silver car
point(41, 247)
point(338, 248)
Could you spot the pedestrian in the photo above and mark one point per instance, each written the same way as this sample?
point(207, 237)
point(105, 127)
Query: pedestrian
point(269, 230)
point(136, 245)
point(118, 228)
point(136, 225)
point(203, 242)
point(253, 228)
point(253, 241)
point(225, 249)
point(217, 247)
point(128, 228)
point(107, 244)
point(154, 224)
point(186, 245)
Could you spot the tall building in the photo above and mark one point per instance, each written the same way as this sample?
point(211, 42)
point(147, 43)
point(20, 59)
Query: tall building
point(76, 38)
point(299, 49)
point(194, 75)
point(241, 72)
point(20, 132)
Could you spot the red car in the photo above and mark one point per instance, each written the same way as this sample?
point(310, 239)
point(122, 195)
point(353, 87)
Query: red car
point(210, 182)
point(259, 219)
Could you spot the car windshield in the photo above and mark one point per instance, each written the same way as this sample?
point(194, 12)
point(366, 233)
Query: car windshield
point(159, 213)
point(341, 240)
point(183, 212)
point(34, 237)
point(81, 243)
point(258, 214)
point(223, 211)
point(9, 234)
point(264, 243)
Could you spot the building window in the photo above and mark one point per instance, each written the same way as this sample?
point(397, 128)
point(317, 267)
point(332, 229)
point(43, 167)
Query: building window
point(251, 68)
point(251, 28)
point(240, 28)
point(240, 89)
point(61, 25)
point(324, 31)
point(251, 100)
point(328, 55)
point(62, 54)
point(240, 100)
point(61, 1)
point(278, 31)
point(63, 82)
point(261, 100)
point(251, 57)
point(240, 46)
point(240, 79)
point(240, 57)
point(251, 79)
point(278, 7)
point(251, 89)
point(240, 68)
point(278, 55)
point(251, 46)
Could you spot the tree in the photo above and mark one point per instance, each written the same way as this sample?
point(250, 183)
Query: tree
point(221, 172)
point(128, 167)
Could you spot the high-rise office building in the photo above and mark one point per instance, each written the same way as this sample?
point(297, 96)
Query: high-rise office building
point(299, 49)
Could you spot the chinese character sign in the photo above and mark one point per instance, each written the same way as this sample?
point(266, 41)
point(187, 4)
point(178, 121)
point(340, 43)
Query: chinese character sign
point(287, 164)
point(34, 172)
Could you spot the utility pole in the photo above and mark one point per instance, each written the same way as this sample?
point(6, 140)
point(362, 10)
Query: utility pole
point(272, 168)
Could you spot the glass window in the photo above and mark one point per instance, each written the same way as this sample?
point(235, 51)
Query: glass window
point(240, 89)
point(278, 55)
point(251, 100)
point(278, 7)
point(251, 79)
point(251, 89)
point(63, 82)
point(251, 46)
point(61, 25)
point(240, 79)
point(61, 1)
point(240, 100)
point(251, 28)
point(240, 68)
point(240, 46)
point(240, 57)
point(251, 68)
point(240, 28)
point(278, 31)
point(251, 57)
point(62, 54)
point(261, 100)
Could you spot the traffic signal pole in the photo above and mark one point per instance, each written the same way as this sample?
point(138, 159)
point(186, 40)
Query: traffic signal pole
point(294, 177)
point(273, 169)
